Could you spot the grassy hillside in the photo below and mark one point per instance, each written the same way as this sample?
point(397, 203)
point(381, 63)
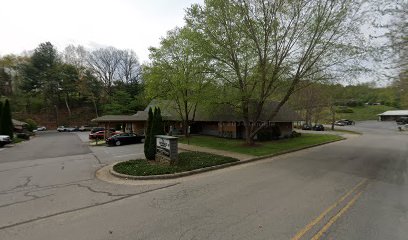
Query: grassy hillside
point(364, 113)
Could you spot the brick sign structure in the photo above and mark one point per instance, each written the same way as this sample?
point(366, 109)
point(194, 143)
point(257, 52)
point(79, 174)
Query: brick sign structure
point(166, 148)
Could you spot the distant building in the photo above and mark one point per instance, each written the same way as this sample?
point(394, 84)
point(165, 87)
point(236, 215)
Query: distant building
point(392, 115)
point(19, 126)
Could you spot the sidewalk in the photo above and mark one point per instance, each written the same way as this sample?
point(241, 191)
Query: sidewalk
point(241, 157)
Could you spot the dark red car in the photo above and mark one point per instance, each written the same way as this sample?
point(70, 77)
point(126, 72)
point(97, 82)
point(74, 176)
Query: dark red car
point(101, 134)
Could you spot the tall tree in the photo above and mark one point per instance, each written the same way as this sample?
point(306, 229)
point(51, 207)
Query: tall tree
point(392, 20)
point(76, 56)
point(261, 50)
point(5, 83)
point(129, 68)
point(68, 77)
point(40, 74)
point(6, 124)
point(178, 73)
point(90, 87)
point(105, 63)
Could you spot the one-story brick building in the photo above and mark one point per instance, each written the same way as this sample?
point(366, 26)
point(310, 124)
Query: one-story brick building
point(219, 120)
point(392, 115)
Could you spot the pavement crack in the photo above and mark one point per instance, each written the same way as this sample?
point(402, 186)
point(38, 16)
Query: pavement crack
point(41, 188)
point(83, 208)
point(97, 159)
point(24, 185)
point(27, 194)
point(103, 192)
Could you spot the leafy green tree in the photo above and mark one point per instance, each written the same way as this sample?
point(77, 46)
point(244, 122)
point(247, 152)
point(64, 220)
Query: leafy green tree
point(262, 50)
point(6, 124)
point(123, 103)
point(178, 73)
point(391, 19)
point(90, 88)
point(41, 73)
point(5, 83)
point(68, 77)
point(148, 135)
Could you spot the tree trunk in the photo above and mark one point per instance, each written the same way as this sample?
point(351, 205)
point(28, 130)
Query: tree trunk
point(67, 105)
point(248, 139)
point(185, 128)
point(185, 122)
point(333, 112)
point(95, 107)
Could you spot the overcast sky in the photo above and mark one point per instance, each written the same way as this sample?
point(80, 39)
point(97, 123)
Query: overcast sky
point(124, 24)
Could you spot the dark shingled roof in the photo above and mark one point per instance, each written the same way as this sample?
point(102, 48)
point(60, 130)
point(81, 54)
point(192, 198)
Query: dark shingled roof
point(215, 113)
point(18, 123)
point(139, 116)
point(226, 113)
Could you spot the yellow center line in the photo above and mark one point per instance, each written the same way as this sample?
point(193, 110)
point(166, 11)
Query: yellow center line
point(325, 212)
point(335, 217)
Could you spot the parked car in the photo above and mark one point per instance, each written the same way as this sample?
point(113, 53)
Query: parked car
point(23, 135)
point(340, 123)
point(348, 122)
point(124, 138)
point(97, 135)
point(318, 127)
point(41, 128)
point(306, 127)
point(85, 128)
point(101, 134)
point(403, 128)
point(4, 139)
point(402, 120)
point(71, 129)
point(97, 129)
point(61, 129)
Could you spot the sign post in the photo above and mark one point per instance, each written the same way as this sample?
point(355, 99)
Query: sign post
point(167, 149)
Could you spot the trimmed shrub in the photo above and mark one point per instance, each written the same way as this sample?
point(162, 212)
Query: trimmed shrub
point(157, 129)
point(32, 125)
point(148, 134)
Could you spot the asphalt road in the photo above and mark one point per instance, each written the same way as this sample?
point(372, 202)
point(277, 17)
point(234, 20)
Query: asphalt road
point(353, 189)
point(48, 144)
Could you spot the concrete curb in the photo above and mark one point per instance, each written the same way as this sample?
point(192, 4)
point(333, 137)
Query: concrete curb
point(202, 170)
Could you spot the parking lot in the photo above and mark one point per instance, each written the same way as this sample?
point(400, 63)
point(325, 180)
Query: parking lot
point(109, 154)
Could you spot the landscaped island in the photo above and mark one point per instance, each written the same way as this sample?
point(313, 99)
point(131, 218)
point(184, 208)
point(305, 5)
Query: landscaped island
point(187, 161)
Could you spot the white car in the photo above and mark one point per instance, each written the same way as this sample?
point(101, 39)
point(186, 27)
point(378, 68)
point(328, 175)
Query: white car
point(61, 129)
point(403, 128)
point(4, 139)
point(41, 128)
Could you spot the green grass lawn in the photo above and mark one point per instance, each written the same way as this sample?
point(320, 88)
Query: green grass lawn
point(364, 113)
point(187, 161)
point(261, 148)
